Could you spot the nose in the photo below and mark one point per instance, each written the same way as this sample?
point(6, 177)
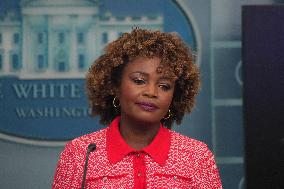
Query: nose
point(150, 91)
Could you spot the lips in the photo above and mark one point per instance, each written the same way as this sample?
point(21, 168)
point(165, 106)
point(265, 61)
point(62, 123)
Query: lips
point(150, 107)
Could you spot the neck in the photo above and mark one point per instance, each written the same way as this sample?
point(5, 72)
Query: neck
point(138, 134)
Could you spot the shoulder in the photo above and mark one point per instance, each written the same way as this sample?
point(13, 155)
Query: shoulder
point(184, 145)
point(82, 142)
point(185, 142)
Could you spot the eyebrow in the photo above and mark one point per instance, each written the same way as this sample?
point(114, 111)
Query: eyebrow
point(163, 77)
point(139, 72)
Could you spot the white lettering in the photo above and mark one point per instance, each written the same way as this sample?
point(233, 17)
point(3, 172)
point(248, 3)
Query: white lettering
point(49, 90)
point(39, 90)
point(22, 90)
point(52, 112)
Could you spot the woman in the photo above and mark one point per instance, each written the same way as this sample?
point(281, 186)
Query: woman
point(143, 83)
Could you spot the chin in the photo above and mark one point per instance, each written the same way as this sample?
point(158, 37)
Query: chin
point(148, 118)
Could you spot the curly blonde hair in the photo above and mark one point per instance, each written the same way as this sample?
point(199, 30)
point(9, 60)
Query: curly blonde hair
point(105, 73)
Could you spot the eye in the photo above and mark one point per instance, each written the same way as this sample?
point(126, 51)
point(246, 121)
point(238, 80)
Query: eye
point(165, 87)
point(139, 81)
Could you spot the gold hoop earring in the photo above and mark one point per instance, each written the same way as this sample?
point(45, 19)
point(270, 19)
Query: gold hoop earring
point(169, 115)
point(113, 103)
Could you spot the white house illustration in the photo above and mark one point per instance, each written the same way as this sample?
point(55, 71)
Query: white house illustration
point(60, 38)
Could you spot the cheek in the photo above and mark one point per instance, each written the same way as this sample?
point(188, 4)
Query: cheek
point(127, 92)
point(167, 99)
point(126, 96)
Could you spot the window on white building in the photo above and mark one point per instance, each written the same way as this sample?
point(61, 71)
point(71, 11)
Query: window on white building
point(61, 38)
point(15, 62)
point(16, 38)
point(81, 61)
point(105, 38)
point(40, 62)
point(40, 38)
point(80, 38)
point(62, 67)
point(1, 62)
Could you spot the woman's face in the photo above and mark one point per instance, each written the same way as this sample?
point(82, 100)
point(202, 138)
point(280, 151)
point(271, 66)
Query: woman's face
point(144, 94)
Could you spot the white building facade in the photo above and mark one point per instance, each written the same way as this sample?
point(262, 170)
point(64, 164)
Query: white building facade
point(60, 38)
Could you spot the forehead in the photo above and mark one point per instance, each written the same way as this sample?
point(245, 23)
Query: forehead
point(149, 66)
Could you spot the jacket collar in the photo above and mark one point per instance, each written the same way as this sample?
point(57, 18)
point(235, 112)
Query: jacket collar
point(117, 148)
